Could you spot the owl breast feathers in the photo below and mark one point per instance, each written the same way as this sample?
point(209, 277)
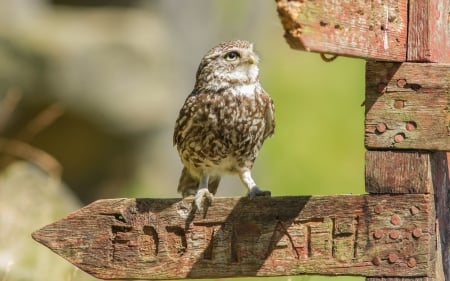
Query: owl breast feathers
point(223, 122)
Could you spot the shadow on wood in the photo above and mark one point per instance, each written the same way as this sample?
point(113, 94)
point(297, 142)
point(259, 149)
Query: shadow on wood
point(367, 235)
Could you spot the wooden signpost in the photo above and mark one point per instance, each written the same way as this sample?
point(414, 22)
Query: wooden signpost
point(399, 231)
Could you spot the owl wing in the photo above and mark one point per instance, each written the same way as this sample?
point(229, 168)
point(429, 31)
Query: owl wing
point(269, 116)
point(184, 120)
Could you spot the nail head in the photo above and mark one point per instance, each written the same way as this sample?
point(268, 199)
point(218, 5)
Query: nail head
point(378, 234)
point(399, 138)
point(414, 210)
point(411, 262)
point(396, 220)
point(394, 234)
point(392, 257)
point(398, 104)
point(378, 209)
point(417, 233)
point(381, 87)
point(376, 261)
point(401, 83)
point(381, 127)
point(410, 126)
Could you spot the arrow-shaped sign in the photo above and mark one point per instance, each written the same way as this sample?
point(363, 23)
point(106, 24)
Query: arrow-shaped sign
point(370, 235)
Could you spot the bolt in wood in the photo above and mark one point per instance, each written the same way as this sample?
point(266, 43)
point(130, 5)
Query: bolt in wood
point(382, 87)
point(401, 83)
point(378, 209)
point(414, 210)
point(399, 138)
point(381, 127)
point(417, 233)
point(410, 126)
point(396, 220)
point(411, 262)
point(376, 261)
point(392, 258)
point(399, 104)
point(378, 234)
point(394, 234)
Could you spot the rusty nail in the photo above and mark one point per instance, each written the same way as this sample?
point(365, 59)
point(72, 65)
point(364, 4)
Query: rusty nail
point(414, 210)
point(394, 234)
point(399, 138)
point(381, 87)
point(401, 83)
point(417, 233)
point(410, 126)
point(411, 262)
point(376, 260)
point(396, 220)
point(399, 104)
point(392, 257)
point(378, 234)
point(378, 209)
point(381, 127)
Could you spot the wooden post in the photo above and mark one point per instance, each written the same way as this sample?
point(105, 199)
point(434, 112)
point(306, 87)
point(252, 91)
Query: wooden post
point(407, 104)
point(400, 231)
point(407, 107)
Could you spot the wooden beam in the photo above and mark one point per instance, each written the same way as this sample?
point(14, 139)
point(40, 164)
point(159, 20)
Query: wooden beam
point(429, 31)
point(368, 235)
point(432, 175)
point(397, 171)
point(439, 167)
point(407, 106)
point(367, 29)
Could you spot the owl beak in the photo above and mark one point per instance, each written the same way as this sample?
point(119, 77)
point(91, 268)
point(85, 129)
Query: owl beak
point(252, 59)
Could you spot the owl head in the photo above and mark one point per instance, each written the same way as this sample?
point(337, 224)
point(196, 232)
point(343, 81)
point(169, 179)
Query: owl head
point(229, 63)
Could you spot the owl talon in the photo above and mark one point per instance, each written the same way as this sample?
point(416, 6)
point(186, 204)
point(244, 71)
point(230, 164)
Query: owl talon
point(203, 198)
point(257, 192)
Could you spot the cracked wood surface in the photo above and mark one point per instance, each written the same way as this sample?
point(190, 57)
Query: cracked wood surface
point(374, 30)
point(405, 172)
point(407, 106)
point(367, 235)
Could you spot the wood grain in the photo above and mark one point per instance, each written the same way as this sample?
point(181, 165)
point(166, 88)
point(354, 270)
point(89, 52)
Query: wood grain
point(367, 235)
point(416, 172)
point(441, 180)
point(407, 106)
point(397, 171)
point(429, 31)
point(366, 29)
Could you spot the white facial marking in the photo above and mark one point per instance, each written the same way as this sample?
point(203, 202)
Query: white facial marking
point(247, 90)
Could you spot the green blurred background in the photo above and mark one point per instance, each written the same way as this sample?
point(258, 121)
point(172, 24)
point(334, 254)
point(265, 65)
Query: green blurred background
point(90, 90)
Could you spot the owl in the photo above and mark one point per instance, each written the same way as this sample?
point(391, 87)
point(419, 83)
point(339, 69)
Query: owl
point(223, 122)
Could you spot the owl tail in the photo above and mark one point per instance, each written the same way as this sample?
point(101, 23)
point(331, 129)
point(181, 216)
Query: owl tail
point(188, 184)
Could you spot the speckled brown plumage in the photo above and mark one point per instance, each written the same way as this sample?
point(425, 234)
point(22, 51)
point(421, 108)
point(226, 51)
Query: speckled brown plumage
point(223, 122)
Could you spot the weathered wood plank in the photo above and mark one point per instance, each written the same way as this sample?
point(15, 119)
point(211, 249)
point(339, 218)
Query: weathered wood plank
point(441, 180)
point(394, 173)
point(400, 279)
point(429, 31)
point(368, 235)
point(407, 106)
point(366, 29)
point(398, 171)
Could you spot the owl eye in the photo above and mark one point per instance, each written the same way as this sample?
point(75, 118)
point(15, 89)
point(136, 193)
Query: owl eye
point(231, 56)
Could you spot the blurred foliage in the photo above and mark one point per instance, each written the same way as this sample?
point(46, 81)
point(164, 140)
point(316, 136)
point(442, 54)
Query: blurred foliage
point(120, 74)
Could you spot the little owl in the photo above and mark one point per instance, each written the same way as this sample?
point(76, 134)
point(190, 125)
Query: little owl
point(223, 122)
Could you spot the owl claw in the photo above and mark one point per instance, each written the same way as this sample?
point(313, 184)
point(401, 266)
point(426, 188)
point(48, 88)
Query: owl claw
point(203, 197)
point(257, 192)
